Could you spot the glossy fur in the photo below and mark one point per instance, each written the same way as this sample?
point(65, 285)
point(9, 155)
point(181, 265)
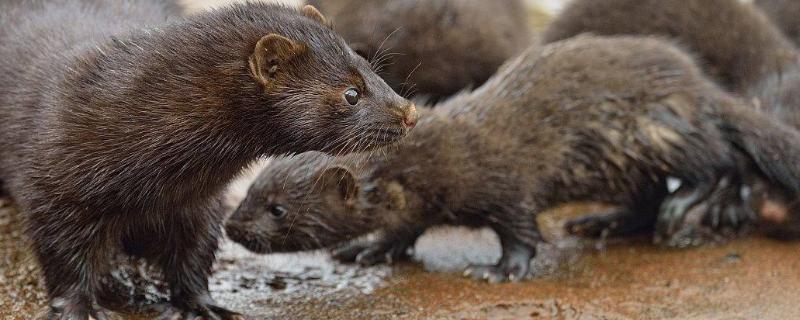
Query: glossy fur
point(119, 131)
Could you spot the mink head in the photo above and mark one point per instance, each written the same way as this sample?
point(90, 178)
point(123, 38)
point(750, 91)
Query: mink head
point(322, 96)
point(308, 202)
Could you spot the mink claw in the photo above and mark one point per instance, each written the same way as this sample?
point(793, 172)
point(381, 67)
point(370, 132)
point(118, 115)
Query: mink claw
point(204, 311)
point(61, 308)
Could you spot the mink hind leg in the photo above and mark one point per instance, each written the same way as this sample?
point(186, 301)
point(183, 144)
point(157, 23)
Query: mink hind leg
point(636, 217)
point(519, 234)
point(73, 255)
point(387, 247)
point(705, 210)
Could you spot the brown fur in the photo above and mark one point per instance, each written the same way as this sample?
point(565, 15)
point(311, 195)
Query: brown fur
point(743, 50)
point(433, 48)
point(735, 42)
point(586, 119)
point(784, 13)
point(119, 131)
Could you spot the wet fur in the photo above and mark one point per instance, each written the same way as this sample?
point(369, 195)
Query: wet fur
point(585, 119)
point(739, 46)
point(118, 130)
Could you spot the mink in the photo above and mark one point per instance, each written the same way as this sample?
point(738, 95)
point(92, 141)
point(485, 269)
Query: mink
point(119, 129)
point(735, 42)
point(432, 49)
point(784, 14)
point(738, 46)
point(590, 118)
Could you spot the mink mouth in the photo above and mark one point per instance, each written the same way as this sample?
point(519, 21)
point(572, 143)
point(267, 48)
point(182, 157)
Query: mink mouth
point(250, 240)
point(371, 139)
point(385, 135)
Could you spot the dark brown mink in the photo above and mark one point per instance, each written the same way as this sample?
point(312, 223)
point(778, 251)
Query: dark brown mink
point(603, 119)
point(119, 131)
point(736, 43)
point(768, 208)
point(432, 48)
point(784, 14)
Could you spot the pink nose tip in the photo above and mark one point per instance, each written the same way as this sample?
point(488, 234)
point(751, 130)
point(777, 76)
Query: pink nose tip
point(411, 117)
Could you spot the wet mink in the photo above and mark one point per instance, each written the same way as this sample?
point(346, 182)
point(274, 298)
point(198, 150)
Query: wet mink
point(433, 48)
point(784, 14)
point(585, 119)
point(118, 131)
point(739, 45)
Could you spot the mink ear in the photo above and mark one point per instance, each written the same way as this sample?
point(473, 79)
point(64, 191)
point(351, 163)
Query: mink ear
point(272, 53)
point(338, 185)
point(312, 12)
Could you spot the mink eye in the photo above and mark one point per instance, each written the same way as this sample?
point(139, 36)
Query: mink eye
point(277, 211)
point(351, 95)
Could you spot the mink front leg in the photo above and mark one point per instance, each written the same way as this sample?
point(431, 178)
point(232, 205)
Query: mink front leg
point(189, 254)
point(519, 235)
point(71, 247)
point(388, 247)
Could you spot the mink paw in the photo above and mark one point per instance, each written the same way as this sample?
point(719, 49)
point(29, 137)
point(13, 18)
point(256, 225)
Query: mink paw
point(703, 224)
point(692, 216)
point(593, 225)
point(511, 268)
point(617, 223)
point(204, 311)
point(63, 309)
point(369, 253)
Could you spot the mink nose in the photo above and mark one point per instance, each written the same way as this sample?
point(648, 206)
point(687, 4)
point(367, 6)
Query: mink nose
point(411, 116)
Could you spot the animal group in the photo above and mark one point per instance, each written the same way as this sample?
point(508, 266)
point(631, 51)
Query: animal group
point(122, 123)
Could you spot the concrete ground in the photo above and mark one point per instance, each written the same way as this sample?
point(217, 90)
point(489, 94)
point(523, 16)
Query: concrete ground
point(749, 278)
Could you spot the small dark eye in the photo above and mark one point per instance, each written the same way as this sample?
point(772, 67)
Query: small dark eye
point(277, 211)
point(351, 95)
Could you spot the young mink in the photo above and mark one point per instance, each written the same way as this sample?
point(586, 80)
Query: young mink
point(118, 131)
point(585, 119)
point(739, 45)
point(433, 48)
point(784, 14)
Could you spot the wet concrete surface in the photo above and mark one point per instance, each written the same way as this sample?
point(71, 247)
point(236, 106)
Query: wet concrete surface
point(749, 278)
